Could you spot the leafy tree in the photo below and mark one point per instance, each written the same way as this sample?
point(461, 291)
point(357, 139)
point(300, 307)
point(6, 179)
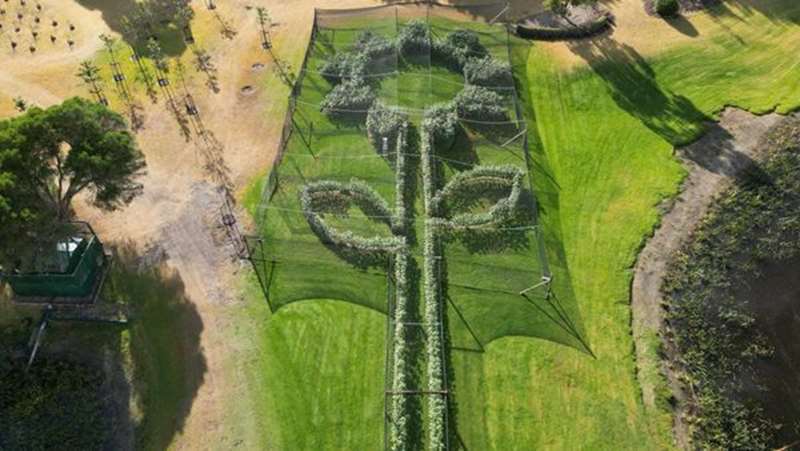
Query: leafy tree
point(48, 157)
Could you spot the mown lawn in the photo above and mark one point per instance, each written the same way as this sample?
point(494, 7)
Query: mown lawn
point(603, 140)
point(605, 136)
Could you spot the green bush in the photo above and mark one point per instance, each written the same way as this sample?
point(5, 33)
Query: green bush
point(373, 46)
point(348, 99)
point(441, 122)
point(476, 103)
point(56, 405)
point(345, 66)
point(333, 197)
point(488, 72)
point(465, 44)
point(466, 189)
point(414, 38)
point(667, 8)
point(383, 122)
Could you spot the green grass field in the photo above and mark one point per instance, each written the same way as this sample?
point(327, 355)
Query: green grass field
point(603, 139)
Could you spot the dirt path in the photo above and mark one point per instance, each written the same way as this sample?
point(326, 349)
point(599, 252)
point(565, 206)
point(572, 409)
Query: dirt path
point(712, 162)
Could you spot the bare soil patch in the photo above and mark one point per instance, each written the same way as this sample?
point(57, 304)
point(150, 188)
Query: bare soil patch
point(712, 162)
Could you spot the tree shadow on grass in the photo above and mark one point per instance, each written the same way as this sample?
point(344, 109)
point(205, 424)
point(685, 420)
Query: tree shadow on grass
point(632, 84)
point(168, 363)
point(114, 12)
point(775, 11)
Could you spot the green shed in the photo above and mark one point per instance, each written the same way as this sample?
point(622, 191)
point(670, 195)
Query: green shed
point(70, 271)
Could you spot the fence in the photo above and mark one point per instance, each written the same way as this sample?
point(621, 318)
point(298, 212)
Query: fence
point(485, 270)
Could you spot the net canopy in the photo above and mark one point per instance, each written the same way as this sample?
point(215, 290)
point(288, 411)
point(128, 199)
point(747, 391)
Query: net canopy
point(495, 279)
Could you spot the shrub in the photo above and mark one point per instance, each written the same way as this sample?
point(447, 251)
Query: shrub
point(667, 8)
point(373, 46)
point(467, 188)
point(488, 72)
point(383, 122)
point(351, 98)
point(335, 197)
point(585, 30)
point(414, 38)
point(437, 405)
point(400, 211)
point(441, 122)
point(477, 103)
point(465, 44)
point(345, 66)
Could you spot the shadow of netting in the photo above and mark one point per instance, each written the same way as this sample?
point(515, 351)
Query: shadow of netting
point(632, 84)
point(168, 363)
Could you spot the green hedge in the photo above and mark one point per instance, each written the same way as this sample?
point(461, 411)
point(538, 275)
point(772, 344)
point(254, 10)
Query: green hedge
point(551, 34)
point(334, 197)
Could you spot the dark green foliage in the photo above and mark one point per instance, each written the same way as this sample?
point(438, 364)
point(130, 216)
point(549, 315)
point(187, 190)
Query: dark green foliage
point(350, 99)
point(373, 46)
point(345, 66)
point(414, 38)
point(714, 325)
point(476, 103)
point(666, 8)
point(465, 44)
point(56, 405)
point(488, 72)
point(441, 122)
point(383, 122)
point(48, 157)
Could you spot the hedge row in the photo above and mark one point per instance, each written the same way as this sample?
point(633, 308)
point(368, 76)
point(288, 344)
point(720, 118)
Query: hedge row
point(401, 220)
point(465, 188)
point(400, 424)
point(332, 196)
point(437, 405)
point(384, 122)
point(476, 103)
point(401, 409)
point(350, 98)
point(583, 31)
point(441, 121)
point(353, 73)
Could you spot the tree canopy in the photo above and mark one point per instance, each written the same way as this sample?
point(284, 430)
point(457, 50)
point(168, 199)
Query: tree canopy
point(49, 156)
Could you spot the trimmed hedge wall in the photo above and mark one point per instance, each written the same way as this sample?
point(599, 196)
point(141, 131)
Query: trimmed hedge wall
point(441, 122)
point(437, 404)
point(331, 196)
point(465, 187)
point(477, 103)
point(597, 26)
point(488, 72)
point(383, 122)
point(351, 98)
